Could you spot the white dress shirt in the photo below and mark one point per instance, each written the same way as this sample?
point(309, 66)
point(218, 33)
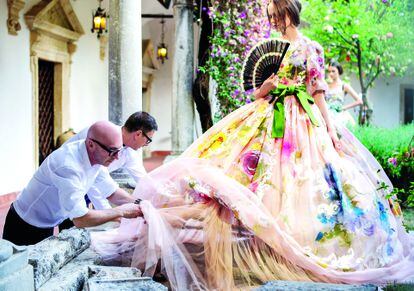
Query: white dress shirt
point(128, 159)
point(57, 189)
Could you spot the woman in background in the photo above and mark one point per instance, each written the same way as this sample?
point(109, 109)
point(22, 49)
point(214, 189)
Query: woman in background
point(335, 96)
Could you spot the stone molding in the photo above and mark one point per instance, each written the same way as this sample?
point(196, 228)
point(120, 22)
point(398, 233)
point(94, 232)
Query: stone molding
point(57, 20)
point(14, 7)
point(54, 30)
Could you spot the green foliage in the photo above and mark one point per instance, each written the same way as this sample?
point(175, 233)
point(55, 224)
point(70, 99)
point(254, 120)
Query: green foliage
point(394, 150)
point(386, 144)
point(409, 219)
point(371, 37)
point(237, 26)
point(398, 287)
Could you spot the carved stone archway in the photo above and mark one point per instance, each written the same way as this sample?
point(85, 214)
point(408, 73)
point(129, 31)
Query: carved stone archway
point(54, 29)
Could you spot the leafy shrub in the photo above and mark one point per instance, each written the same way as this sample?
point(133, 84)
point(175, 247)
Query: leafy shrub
point(394, 150)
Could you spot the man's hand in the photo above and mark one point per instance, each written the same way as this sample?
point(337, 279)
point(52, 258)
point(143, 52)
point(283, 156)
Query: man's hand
point(129, 210)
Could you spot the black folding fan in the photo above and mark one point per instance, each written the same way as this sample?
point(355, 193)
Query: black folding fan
point(262, 61)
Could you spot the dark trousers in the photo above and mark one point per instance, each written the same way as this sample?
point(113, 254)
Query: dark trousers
point(20, 232)
point(66, 224)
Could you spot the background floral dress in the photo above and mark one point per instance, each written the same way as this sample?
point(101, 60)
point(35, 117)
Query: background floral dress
point(335, 98)
point(265, 208)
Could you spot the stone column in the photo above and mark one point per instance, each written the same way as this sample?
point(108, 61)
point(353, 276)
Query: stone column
point(183, 68)
point(125, 59)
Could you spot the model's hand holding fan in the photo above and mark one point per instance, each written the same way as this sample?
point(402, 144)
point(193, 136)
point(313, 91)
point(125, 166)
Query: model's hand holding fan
point(263, 60)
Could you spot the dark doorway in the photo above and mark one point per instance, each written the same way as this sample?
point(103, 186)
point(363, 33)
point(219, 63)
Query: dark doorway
point(408, 105)
point(46, 108)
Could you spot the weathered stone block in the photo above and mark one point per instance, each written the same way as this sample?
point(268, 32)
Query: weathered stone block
point(13, 264)
point(113, 273)
point(19, 280)
point(48, 256)
point(311, 286)
point(15, 273)
point(137, 284)
point(124, 180)
point(6, 250)
point(74, 274)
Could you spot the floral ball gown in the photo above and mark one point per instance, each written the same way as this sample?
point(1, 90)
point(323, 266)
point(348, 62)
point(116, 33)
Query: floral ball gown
point(241, 207)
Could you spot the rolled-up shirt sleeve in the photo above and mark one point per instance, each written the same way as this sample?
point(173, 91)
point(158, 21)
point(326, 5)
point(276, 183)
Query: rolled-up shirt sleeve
point(104, 184)
point(71, 191)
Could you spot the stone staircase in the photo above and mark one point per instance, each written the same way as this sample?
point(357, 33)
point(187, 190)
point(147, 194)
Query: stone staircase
point(65, 263)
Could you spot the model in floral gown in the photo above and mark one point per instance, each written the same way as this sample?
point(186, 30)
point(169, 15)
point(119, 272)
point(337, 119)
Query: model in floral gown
point(241, 207)
point(335, 96)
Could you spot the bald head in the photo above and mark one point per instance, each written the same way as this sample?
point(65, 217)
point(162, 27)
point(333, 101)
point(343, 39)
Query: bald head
point(103, 142)
point(107, 133)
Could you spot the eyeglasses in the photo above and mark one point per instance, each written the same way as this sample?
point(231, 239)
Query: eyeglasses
point(149, 140)
point(111, 151)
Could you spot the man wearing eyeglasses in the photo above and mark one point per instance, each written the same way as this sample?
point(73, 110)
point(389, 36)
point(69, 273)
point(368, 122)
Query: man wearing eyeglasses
point(137, 132)
point(56, 191)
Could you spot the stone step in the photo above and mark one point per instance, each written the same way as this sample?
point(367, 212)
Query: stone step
point(15, 273)
point(84, 273)
point(50, 255)
point(311, 286)
point(73, 275)
point(138, 284)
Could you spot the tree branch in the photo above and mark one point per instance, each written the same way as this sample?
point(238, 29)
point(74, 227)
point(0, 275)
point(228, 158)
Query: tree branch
point(376, 74)
point(359, 59)
point(343, 37)
point(370, 69)
point(343, 47)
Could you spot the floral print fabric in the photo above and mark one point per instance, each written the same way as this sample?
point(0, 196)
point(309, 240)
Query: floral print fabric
point(328, 202)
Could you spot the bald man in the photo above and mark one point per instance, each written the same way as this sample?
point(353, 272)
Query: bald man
point(56, 191)
point(137, 132)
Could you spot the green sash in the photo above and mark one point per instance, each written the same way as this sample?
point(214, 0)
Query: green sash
point(278, 128)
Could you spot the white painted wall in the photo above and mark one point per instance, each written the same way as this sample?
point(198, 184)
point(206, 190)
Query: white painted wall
point(384, 98)
point(88, 93)
point(89, 78)
point(161, 89)
point(16, 130)
point(161, 92)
